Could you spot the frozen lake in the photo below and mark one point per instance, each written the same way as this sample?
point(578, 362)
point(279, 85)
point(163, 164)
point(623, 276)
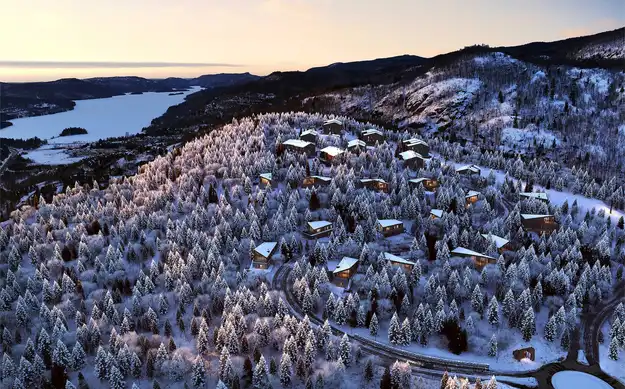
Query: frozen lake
point(576, 379)
point(102, 118)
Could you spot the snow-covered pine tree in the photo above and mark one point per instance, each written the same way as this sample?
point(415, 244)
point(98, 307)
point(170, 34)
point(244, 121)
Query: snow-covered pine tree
point(260, 378)
point(373, 325)
point(492, 346)
point(394, 331)
point(529, 324)
point(198, 377)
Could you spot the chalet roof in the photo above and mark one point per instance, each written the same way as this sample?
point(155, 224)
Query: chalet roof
point(356, 142)
point(309, 132)
point(463, 251)
point(345, 264)
point(394, 258)
point(389, 222)
point(322, 178)
point(471, 168)
point(319, 224)
point(267, 176)
point(437, 212)
point(418, 180)
point(333, 121)
point(410, 154)
point(297, 143)
point(372, 131)
point(414, 141)
point(532, 216)
point(472, 193)
point(535, 195)
point(332, 150)
point(499, 241)
point(366, 180)
point(266, 248)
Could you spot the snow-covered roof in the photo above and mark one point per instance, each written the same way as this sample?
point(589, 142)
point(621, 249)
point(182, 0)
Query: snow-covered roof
point(267, 176)
point(437, 212)
point(356, 142)
point(332, 150)
point(414, 141)
point(535, 195)
point(395, 258)
point(309, 132)
point(472, 168)
point(318, 224)
point(472, 193)
point(372, 131)
point(406, 155)
point(418, 180)
point(463, 251)
point(265, 248)
point(366, 180)
point(297, 143)
point(345, 264)
point(389, 222)
point(533, 216)
point(333, 121)
point(499, 241)
point(322, 178)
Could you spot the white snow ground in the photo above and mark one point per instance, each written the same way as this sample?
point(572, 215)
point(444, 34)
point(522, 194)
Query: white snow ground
point(576, 379)
point(614, 368)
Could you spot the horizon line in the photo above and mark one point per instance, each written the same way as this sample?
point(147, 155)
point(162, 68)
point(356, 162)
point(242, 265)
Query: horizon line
point(107, 64)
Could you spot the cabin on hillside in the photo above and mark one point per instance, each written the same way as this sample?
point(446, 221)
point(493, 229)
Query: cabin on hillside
point(356, 145)
point(316, 181)
point(471, 198)
point(469, 170)
point(502, 244)
point(394, 260)
point(524, 353)
point(372, 136)
point(390, 227)
point(266, 179)
point(375, 184)
point(436, 214)
point(318, 229)
point(262, 255)
point(535, 195)
point(327, 154)
point(429, 184)
point(412, 159)
point(309, 136)
point(539, 223)
point(416, 145)
point(299, 146)
point(333, 126)
point(344, 271)
point(480, 260)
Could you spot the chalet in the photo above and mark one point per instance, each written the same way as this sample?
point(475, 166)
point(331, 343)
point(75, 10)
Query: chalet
point(316, 181)
point(390, 227)
point(535, 195)
point(327, 154)
point(299, 146)
point(266, 179)
point(479, 259)
point(375, 184)
point(471, 197)
point(372, 136)
point(262, 255)
point(469, 170)
point(356, 145)
point(524, 353)
point(428, 183)
point(394, 260)
point(344, 271)
point(502, 244)
point(333, 126)
point(309, 136)
point(318, 229)
point(416, 145)
point(539, 223)
point(412, 159)
point(436, 214)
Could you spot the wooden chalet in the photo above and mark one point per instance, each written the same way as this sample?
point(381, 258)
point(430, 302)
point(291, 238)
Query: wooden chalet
point(436, 214)
point(316, 181)
point(480, 260)
point(372, 136)
point(469, 170)
point(416, 145)
point(412, 159)
point(266, 179)
point(318, 229)
point(539, 223)
point(356, 145)
point(394, 260)
point(327, 154)
point(262, 255)
point(524, 353)
point(299, 146)
point(333, 126)
point(390, 227)
point(541, 196)
point(502, 244)
point(429, 184)
point(344, 271)
point(309, 136)
point(471, 198)
point(375, 184)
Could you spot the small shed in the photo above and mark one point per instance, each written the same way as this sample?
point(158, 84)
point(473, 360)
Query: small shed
point(542, 196)
point(372, 136)
point(318, 229)
point(539, 223)
point(471, 197)
point(394, 260)
point(390, 227)
point(262, 255)
point(344, 271)
point(327, 154)
point(524, 353)
point(412, 159)
point(428, 183)
point(375, 184)
point(436, 214)
point(502, 244)
point(316, 181)
point(480, 260)
point(416, 145)
point(356, 145)
point(309, 135)
point(333, 126)
point(299, 146)
point(469, 170)
point(266, 179)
